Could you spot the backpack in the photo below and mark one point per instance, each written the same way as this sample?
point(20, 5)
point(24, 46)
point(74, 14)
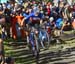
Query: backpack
point(59, 23)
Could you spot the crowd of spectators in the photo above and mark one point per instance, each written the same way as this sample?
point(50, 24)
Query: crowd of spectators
point(21, 13)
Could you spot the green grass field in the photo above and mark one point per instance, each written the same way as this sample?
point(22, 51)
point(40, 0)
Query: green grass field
point(23, 55)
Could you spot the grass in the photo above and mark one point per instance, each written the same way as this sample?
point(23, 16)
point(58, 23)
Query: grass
point(29, 59)
point(25, 57)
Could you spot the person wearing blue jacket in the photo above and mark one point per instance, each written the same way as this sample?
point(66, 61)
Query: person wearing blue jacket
point(27, 17)
point(59, 23)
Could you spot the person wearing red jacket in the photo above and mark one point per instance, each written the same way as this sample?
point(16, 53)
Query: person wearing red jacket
point(48, 10)
point(13, 26)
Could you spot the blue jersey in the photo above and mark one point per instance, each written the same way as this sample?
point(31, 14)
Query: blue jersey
point(28, 16)
point(41, 15)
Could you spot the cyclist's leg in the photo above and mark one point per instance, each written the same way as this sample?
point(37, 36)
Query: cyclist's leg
point(42, 44)
point(32, 45)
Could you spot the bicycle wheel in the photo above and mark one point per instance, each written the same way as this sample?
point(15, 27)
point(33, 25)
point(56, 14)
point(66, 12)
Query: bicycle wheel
point(48, 39)
point(36, 43)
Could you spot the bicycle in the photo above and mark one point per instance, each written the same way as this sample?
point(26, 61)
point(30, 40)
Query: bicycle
point(33, 44)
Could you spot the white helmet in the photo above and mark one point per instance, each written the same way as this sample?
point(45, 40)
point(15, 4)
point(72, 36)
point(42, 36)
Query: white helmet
point(51, 19)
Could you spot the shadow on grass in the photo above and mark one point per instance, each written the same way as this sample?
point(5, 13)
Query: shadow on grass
point(25, 56)
point(55, 57)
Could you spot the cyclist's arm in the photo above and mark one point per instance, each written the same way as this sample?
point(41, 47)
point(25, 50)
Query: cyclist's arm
point(23, 21)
